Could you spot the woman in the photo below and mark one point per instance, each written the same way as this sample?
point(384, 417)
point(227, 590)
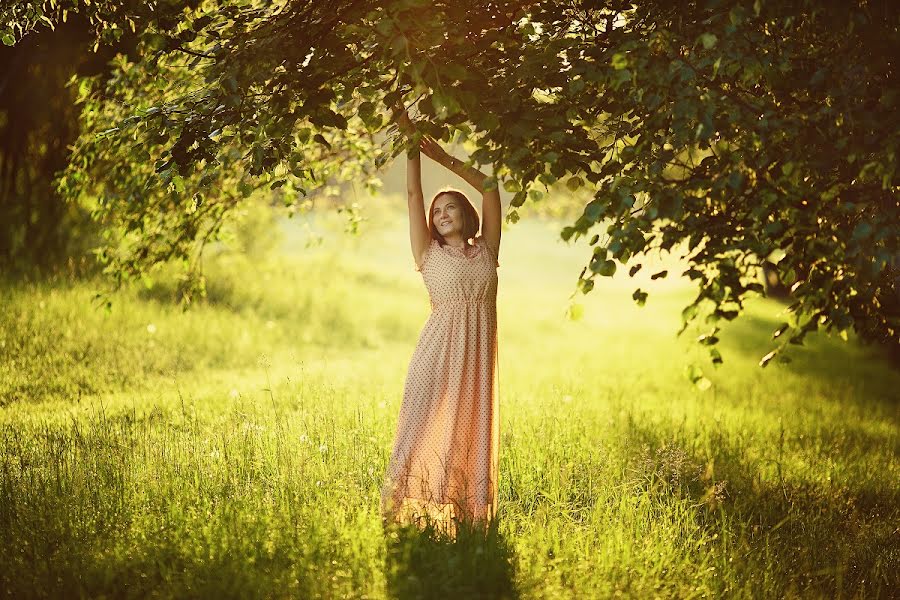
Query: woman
point(444, 463)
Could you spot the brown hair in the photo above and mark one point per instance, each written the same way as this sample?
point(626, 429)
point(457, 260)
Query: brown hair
point(471, 220)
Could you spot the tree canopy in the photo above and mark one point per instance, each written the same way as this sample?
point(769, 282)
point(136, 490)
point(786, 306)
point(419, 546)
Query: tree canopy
point(740, 132)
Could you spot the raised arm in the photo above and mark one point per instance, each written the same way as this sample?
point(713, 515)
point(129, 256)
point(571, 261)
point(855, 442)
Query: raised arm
point(490, 199)
point(419, 236)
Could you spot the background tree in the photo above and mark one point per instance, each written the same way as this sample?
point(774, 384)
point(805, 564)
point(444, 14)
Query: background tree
point(38, 121)
point(737, 132)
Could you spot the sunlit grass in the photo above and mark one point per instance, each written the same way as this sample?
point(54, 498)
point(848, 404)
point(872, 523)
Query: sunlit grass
point(236, 450)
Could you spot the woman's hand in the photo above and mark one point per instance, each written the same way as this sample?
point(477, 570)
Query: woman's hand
point(435, 152)
point(407, 128)
point(403, 120)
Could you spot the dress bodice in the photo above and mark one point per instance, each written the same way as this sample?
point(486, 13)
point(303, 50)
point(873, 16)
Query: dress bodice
point(456, 276)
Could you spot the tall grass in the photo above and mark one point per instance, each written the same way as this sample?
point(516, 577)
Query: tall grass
point(236, 450)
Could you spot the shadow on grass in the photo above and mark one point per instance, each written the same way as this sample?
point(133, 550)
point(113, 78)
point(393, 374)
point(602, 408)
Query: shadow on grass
point(824, 357)
point(785, 537)
point(425, 563)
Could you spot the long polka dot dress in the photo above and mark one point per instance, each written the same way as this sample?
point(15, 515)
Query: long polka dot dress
point(443, 466)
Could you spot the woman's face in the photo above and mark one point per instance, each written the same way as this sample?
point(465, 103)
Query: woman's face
point(447, 215)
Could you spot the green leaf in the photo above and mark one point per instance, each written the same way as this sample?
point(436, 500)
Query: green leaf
point(398, 44)
point(444, 105)
point(861, 231)
point(708, 339)
point(619, 61)
point(620, 77)
point(774, 228)
point(709, 40)
point(606, 268)
point(640, 297)
point(366, 110)
point(695, 374)
point(575, 312)
point(321, 139)
point(689, 313)
point(594, 210)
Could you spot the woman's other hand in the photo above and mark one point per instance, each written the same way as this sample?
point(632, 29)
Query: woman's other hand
point(434, 151)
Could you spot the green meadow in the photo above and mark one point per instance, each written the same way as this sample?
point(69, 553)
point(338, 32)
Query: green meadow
point(236, 449)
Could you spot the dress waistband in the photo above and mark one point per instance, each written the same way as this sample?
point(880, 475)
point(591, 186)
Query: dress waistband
point(461, 302)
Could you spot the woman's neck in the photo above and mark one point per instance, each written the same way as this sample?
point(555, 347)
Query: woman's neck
point(456, 242)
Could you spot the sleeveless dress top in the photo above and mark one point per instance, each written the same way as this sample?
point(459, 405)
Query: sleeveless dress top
point(444, 464)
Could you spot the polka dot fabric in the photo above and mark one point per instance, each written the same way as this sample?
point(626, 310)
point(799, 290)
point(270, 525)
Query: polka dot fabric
point(444, 462)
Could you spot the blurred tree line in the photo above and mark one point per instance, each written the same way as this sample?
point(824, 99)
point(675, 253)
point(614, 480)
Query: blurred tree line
point(39, 120)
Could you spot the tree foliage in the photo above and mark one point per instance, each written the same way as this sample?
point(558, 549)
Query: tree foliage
point(738, 131)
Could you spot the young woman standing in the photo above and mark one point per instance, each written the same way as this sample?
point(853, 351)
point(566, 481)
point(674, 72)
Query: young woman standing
point(444, 463)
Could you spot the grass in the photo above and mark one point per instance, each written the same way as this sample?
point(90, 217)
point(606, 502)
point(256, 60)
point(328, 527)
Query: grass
point(236, 450)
